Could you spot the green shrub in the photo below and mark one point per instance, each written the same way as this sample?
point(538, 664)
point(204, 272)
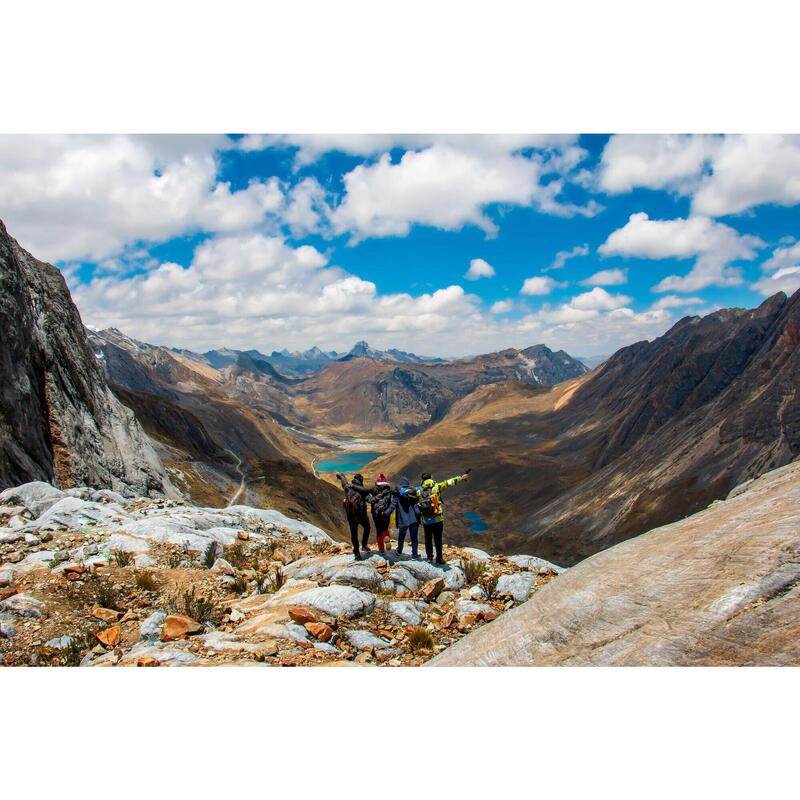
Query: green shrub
point(473, 569)
point(210, 555)
point(420, 639)
point(122, 558)
point(197, 606)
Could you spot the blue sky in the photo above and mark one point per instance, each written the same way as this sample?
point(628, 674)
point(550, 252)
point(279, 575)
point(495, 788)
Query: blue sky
point(582, 242)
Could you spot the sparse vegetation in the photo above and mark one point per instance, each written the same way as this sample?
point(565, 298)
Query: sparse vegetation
point(122, 558)
point(199, 607)
point(489, 583)
point(210, 555)
point(173, 558)
point(473, 569)
point(276, 579)
point(146, 581)
point(239, 585)
point(420, 639)
point(106, 596)
point(236, 555)
point(72, 654)
point(320, 548)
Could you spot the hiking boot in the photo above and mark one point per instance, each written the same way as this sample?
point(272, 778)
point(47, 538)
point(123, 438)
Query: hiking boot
point(440, 561)
point(357, 556)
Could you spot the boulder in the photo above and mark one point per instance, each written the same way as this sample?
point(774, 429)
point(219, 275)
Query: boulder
point(150, 628)
point(7, 630)
point(477, 592)
point(363, 575)
point(337, 601)
point(24, 605)
point(223, 567)
point(365, 640)
point(519, 585)
point(179, 626)
point(718, 588)
point(464, 608)
point(478, 555)
point(536, 564)
point(403, 579)
point(406, 611)
point(60, 642)
point(36, 496)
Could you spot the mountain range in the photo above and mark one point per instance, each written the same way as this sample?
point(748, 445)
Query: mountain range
point(565, 461)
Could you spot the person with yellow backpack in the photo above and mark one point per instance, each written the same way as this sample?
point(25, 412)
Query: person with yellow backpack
point(432, 511)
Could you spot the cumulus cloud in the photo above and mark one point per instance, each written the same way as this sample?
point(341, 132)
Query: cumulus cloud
point(750, 171)
point(478, 268)
point(502, 307)
point(669, 161)
point(562, 256)
point(674, 301)
point(88, 197)
point(448, 188)
point(723, 174)
point(539, 285)
point(786, 279)
point(713, 244)
point(600, 299)
point(311, 146)
point(607, 277)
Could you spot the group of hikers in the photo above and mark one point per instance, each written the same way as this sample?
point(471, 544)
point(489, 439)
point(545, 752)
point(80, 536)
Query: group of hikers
point(411, 506)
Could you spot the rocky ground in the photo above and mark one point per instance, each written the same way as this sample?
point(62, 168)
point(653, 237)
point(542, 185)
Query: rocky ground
point(90, 578)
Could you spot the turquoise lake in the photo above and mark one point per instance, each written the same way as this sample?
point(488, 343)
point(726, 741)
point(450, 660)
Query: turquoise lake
point(347, 462)
point(476, 522)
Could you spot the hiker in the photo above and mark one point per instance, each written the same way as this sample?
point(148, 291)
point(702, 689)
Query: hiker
point(432, 512)
point(355, 507)
point(381, 502)
point(406, 508)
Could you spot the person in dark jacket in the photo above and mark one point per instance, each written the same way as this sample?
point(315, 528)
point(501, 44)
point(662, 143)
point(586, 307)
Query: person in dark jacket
point(406, 509)
point(355, 507)
point(381, 502)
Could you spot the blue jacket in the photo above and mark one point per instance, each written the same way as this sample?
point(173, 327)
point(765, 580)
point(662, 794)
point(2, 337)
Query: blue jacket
point(408, 515)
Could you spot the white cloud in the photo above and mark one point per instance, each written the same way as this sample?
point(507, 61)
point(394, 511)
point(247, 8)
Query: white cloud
point(502, 307)
point(448, 188)
point(783, 257)
point(713, 244)
point(786, 279)
point(539, 285)
point(87, 197)
point(607, 277)
point(600, 299)
point(306, 208)
point(673, 301)
point(723, 174)
point(478, 268)
point(311, 146)
point(749, 171)
point(669, 161)
point(562, 256)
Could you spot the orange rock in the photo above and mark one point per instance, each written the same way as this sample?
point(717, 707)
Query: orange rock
point(178, 626)
point(74, 576)
point(104, 614)
point(128, 616)
point(73, 569)
point(279, 555)
point(432, 589)
point(449, 618)
point(319, 630)
point(6, 593)
point(301, 615)
point(109, 637)
point(467, 620)
point(488, 616)
point(148, 661)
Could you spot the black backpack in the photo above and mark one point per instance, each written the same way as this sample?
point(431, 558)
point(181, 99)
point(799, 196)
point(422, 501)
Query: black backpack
point(381, 502)
point(429, 503)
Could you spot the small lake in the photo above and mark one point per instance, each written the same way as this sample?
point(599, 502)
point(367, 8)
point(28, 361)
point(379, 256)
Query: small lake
point(347, 462)
point(477, 524)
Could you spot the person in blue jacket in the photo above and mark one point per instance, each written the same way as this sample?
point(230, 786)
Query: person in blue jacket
point(406, 509)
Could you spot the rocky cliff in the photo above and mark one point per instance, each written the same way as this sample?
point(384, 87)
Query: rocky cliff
point(59, 421)
point(721, 587)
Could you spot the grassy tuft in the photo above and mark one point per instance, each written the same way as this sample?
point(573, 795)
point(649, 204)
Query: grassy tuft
point(473, 569)
point(122, 558)
point(197, 606)
point(146, 581)
point(489, 583)
point(239, 585)
point(420, 639)
point(210, 555)
point(276, 579)
point(106, 596)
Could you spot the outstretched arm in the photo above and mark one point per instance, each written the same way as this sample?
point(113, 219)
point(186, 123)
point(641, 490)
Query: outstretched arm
point(452, 481)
